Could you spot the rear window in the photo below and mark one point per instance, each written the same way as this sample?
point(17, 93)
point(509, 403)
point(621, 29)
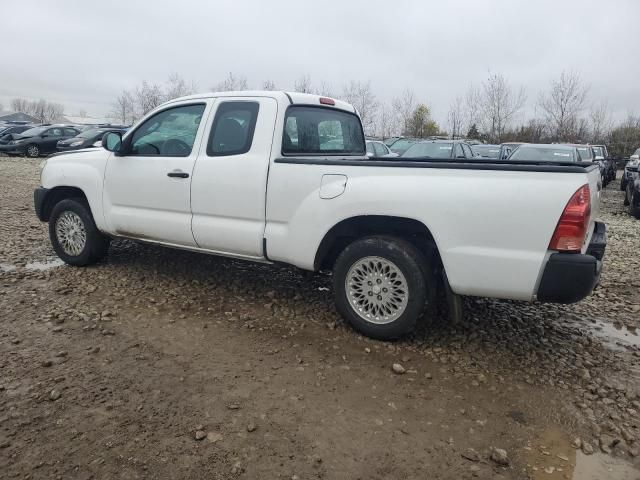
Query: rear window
point(542, 154)
point(322, 131)
point(429, 150)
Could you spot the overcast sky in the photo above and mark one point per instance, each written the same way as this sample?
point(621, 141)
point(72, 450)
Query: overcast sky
point(83, 53)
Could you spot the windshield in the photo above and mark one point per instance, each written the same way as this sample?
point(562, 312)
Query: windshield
point(32, 132)
point(585, 154)
point(486, 151)
point(92, 132)
point(429, 150)
point(542, 154)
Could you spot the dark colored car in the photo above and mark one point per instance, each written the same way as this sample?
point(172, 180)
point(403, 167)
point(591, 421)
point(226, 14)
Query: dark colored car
point(546, 152)
point(39, 140)
point(454, 149)
point(486, 151)
point(7, 132)
point(634, 160)
point(610, 168)
point(402, 144)
point(632, 190)
point(86, 139)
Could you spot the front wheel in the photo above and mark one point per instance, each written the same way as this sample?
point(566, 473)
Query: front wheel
point(380, 286)
point(32, 151)
point(74, 235)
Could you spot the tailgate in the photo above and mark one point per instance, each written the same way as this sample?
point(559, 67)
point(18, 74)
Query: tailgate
point(595, 186)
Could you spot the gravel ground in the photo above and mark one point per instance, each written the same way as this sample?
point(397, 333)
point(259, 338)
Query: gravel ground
point(166, 364)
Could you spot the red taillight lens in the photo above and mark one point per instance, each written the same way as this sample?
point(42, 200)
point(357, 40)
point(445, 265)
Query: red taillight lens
point(572, 227)
point(327, 101)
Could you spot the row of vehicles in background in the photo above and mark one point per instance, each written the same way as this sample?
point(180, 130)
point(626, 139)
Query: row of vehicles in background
point(630, 184)
point(33, 140)
point(438, 147)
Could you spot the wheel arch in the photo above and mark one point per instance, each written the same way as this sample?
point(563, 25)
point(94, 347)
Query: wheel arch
point(57, 194)
point(349, 229)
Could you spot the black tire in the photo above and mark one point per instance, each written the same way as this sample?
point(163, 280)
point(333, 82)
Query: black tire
point(623, 184)
point(32, 151)
point(408, 260)
point(625, 202)
point(96, 244)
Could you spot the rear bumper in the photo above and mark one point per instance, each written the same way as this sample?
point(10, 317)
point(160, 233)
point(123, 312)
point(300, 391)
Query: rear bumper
point(570, 277)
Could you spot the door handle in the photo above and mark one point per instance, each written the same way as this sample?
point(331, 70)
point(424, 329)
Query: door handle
point(178, 174)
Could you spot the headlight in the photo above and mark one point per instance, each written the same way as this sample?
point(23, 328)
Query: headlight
point(75, 144)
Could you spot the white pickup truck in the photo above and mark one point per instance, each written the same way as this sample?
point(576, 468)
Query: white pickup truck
point(284, 177)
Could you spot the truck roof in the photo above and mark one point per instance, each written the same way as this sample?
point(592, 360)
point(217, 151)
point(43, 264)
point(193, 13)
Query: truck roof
point(292, 98)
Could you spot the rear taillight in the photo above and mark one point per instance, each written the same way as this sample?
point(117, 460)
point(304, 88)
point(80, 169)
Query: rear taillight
point(574, 222)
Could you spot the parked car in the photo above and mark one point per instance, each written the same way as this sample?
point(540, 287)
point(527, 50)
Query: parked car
point(86, 139)
point(39, 140)
point(632, 191)
point(486, 151)
point(507, 148)
point(634, 160)
point(452, 149)
point(546, 152)
point(247, 175)
point(7, 129)
point(610, 168)
point(402, 144)
point(379, 150)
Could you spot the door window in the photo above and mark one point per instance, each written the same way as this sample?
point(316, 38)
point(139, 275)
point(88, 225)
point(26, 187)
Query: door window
point(70, 132)
point(54, 132)
point(169, 133)
point(467, 150)
point(458, 149)
point(232, 129)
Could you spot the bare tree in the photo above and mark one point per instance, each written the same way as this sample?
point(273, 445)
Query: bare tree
point(471, 108)
point(303, 85)
point(177, 87)
point(499, 102)
point(146, 97)
point(404, 106)
point(360, 95)
point(123, 108)
point(563, 104)
point(387, 124)
point(20, 105)
point(456, 118)
point(325, 89)
point(231, 83)
point(269, 85)
point(53, 112)
point(600, 122)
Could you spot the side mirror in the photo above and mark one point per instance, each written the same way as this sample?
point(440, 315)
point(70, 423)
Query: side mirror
point(112, 141)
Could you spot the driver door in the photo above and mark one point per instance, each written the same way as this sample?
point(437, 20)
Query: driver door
point(147, 186)
point(50, 139)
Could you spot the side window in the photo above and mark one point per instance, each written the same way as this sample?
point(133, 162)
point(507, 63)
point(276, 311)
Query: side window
point(381, 150)
point(232, 129)
point(70, 132)
point(169, 133)
point(371, 150)
point(459, 153)
point(322, 131)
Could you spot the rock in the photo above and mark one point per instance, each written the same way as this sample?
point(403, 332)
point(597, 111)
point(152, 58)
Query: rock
point(499, 456)
point(577, 443)
point(607, 442)
point(200, 434)
point(428, 376)
point(56, 329)
point(481, 378)
point(587, 448)
point(584, 374)
point(233, 406)
point(5, 443)
point(398, 368)
point(471, 454)
point(46, 363)
point(54, 395)
point(214, 437)
point(251, 427)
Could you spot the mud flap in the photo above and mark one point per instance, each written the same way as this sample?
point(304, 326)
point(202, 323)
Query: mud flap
point(454, 302)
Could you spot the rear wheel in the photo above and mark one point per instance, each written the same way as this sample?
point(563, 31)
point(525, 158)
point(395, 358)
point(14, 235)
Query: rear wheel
point(32, 151)
point(381, 286)
point(74, 235)
point(634, 206)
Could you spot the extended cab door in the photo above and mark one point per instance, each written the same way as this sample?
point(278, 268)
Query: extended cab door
point(228, 190)
point(147, 186)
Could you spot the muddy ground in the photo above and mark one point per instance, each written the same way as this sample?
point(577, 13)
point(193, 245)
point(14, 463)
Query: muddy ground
point(166, 364)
